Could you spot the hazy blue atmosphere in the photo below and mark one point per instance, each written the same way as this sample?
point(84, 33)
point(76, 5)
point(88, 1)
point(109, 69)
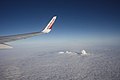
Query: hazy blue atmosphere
point(79, 22)
point(92, 26)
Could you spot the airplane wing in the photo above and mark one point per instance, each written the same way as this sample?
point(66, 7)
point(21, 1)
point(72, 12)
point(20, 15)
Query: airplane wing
point(4, 39)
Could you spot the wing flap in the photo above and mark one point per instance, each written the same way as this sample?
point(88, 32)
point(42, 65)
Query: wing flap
point(5, 46)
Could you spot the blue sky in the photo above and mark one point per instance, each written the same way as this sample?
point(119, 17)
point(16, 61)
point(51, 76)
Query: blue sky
point(79, 22)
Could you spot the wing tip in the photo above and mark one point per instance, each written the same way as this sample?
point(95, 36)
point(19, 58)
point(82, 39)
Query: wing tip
point(55, 17)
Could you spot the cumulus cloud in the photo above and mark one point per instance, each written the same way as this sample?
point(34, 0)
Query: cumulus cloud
point(67, 52)
point(83, 52)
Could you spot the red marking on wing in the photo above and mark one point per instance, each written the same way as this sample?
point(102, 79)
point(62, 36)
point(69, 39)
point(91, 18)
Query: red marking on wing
point(51, 24)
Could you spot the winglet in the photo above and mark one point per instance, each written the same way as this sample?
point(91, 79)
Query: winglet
point(49, 26)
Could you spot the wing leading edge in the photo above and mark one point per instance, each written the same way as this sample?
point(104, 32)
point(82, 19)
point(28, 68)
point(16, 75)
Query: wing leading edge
point(10, 38)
